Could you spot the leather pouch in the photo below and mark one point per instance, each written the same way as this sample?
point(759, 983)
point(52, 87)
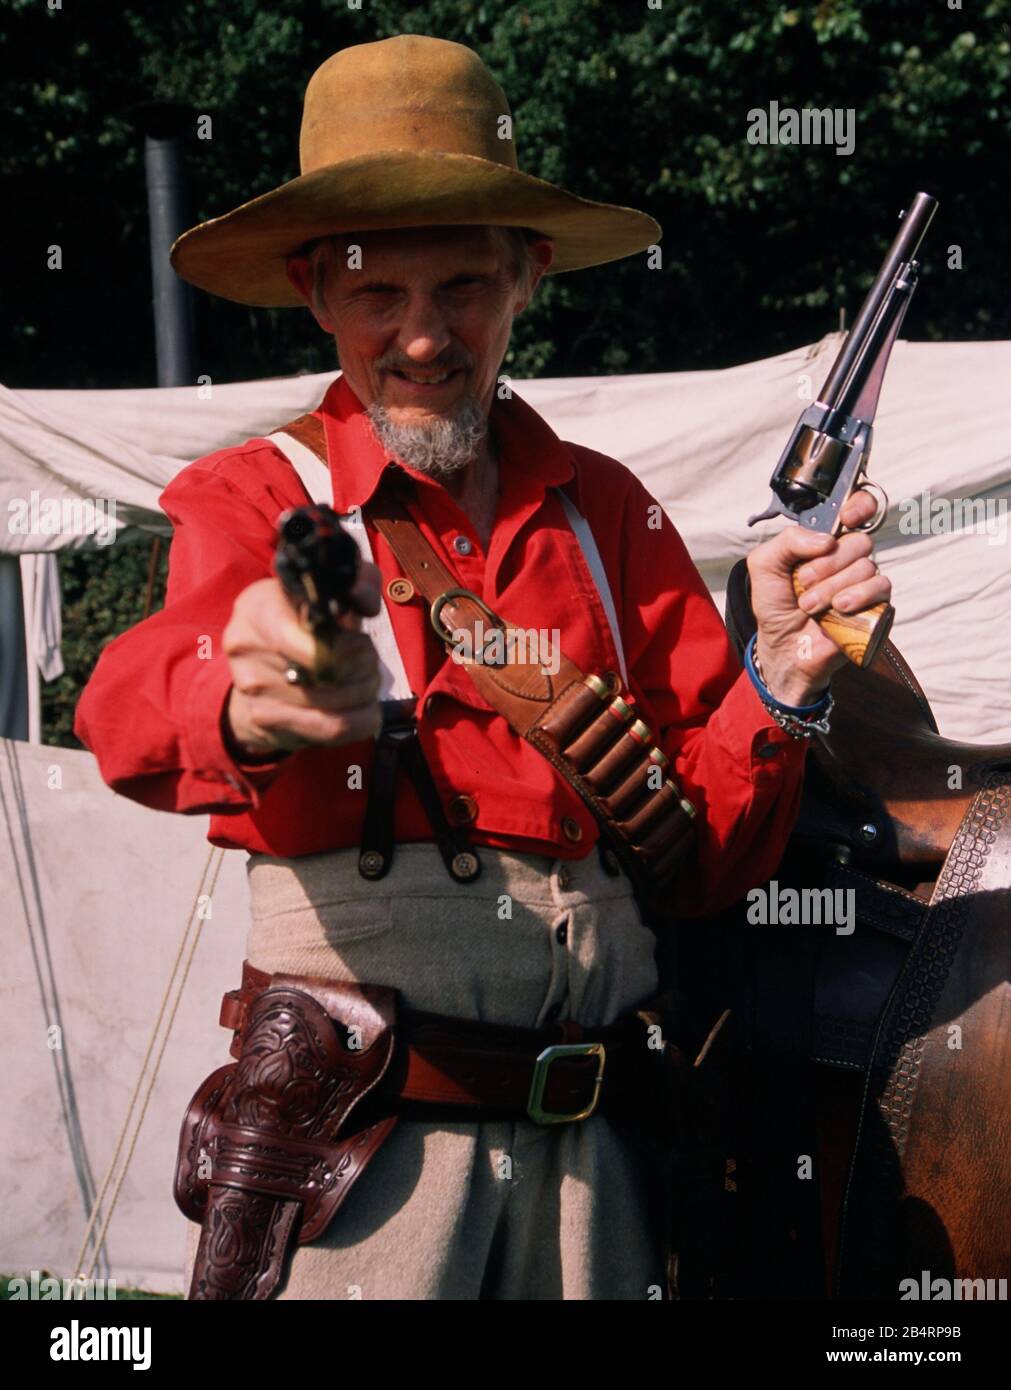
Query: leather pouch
point(587, 737)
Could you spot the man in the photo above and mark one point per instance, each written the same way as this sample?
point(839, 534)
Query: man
point(415, 240)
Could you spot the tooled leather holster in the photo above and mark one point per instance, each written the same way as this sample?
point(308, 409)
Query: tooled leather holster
point(272, 1144)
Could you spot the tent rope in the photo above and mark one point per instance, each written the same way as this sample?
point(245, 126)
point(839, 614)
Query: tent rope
point(27, 879)
point(84, 1272)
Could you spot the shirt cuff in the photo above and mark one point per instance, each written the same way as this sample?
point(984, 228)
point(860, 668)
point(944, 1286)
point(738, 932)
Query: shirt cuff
point(213, 760)
point(751, 735)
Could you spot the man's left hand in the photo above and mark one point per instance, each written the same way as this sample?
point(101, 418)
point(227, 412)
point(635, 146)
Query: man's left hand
point(796, 657)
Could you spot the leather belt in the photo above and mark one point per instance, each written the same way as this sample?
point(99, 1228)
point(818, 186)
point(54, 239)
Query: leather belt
point(455, 1067)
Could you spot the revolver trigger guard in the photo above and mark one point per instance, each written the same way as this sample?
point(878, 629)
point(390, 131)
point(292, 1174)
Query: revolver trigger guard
point(324, 667)
point(877, 520)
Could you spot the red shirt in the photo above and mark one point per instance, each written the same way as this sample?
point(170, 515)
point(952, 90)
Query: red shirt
point(152, 711)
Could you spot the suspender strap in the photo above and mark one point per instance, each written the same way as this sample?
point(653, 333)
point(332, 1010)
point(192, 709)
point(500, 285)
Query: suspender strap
point(591, 554)
point(398, 742)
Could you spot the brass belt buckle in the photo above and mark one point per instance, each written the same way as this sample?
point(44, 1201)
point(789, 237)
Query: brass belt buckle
point(551, 1054)
point(440, 601)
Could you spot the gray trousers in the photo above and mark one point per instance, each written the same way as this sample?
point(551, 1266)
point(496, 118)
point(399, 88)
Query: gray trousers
point(466, 1210)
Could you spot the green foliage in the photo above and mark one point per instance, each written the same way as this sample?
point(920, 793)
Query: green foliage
point(763, 244)
point(103, 594)
point(648, 107)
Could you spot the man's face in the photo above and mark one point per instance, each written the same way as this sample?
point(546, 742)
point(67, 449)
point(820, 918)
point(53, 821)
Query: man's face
point(423, 325)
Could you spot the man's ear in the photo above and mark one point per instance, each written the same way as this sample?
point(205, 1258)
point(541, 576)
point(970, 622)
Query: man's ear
point(300, 275)
point(542, 249)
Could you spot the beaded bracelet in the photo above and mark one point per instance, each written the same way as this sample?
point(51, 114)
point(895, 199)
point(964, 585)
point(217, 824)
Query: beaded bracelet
point(800, 721)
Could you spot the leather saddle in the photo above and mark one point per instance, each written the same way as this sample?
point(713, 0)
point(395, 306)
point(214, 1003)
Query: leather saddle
point(883, 1054)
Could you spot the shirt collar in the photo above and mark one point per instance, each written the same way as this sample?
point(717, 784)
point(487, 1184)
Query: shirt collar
point(526, 444)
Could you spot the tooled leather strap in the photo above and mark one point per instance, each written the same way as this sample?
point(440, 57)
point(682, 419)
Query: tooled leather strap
point(651, 835)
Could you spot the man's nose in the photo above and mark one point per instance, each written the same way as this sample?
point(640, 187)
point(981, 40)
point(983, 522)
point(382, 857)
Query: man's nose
point(424, 332)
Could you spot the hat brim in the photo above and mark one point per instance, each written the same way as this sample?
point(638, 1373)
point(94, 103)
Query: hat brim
point(241, 256)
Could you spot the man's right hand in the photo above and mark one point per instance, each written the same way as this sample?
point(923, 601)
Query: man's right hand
point(265, 712)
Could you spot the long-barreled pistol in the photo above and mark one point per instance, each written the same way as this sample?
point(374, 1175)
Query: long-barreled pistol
point(826, 458)
point(317, 563)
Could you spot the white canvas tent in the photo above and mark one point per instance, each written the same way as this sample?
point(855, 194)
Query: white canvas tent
point(100, 892)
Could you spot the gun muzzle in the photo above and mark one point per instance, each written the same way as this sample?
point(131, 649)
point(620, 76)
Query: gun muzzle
point(317, 562)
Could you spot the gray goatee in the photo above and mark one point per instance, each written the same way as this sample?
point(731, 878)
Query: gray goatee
point(440, 446)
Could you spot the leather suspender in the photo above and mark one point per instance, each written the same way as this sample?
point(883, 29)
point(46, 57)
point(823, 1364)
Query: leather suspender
point(398, 744)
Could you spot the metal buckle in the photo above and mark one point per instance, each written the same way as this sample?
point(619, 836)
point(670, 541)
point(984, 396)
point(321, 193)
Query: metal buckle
point(540, 1079)
point(440, 601)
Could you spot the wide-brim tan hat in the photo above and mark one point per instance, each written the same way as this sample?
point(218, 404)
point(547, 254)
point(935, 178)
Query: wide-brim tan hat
point(405, 132)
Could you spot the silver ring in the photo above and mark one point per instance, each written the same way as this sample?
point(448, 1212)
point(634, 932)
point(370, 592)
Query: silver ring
point(296, 675)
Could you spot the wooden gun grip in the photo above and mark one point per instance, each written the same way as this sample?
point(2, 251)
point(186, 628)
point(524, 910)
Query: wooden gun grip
point(858, 635)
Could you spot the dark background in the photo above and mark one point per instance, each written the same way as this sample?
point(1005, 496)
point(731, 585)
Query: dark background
point(763, 244)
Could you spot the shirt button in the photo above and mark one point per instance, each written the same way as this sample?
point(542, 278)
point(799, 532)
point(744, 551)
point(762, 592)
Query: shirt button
point(564, 878)
point(400, 590)
point(462, 810)
point(768, 750)
point(462, 545)
point(562, 934)
point(571, 829)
